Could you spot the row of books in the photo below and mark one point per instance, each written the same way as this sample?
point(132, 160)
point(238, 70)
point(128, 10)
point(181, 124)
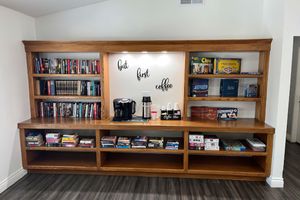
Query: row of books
point(212, 142)
point(80, 88)
point(228, 88)
point(58, 140)
point(66, 66)
point(139, 142)
point(76, 110)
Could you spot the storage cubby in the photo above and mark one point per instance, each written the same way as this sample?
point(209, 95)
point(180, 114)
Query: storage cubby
point(142, 162)
point(62, 160)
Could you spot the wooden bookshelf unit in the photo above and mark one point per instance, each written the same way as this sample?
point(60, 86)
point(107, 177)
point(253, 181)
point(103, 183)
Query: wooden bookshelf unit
point(235, 165)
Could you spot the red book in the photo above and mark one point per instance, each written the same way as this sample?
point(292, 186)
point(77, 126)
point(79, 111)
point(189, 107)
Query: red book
point(42, 66)
point(68, 66)
point(98, 67)
point(95, 111)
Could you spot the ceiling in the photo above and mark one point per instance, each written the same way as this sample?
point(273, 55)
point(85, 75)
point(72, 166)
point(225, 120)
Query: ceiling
point(37, 8)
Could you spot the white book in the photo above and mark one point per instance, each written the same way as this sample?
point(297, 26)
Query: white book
point(88, 87)
point(255, 142)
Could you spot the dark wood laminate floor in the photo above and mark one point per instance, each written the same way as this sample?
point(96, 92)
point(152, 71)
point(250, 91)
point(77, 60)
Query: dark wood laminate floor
point(86, 187)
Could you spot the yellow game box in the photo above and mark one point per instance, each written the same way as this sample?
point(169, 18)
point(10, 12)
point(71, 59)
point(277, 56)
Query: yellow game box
point(227, 66)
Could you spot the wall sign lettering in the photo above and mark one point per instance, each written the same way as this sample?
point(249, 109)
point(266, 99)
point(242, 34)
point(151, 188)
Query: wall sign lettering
point(140, 74)
point(122, 65)
point(164, 85)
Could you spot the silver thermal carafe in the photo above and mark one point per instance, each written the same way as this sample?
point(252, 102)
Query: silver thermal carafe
point(146, 107)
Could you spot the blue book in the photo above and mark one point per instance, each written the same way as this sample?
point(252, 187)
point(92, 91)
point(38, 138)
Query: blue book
point(52, 88)
point(229, 87)
point(199, 87)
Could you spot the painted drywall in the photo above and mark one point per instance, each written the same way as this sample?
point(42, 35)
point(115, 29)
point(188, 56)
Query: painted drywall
point(128, 82)
point(142, 19)
point(155, 19)
point(294, 109)
point(15, 27)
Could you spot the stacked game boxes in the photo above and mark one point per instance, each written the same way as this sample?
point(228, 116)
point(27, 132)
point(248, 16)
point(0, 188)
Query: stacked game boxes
point(196, 142)
point(53, 140)
point(172, 144)
point(256, 145)
point(123, 143)
point(69, 140)
point(34, 140)
point(156, 143)
point(233, 145)
point(211, 143)
point(108, 141)
point(87, 143)
point(139, 142)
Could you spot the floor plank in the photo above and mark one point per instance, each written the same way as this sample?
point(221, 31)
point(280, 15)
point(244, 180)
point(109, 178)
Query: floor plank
point(89, 187)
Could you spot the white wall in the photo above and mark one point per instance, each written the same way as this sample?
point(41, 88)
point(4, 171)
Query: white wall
point(156, 19)
point(14, 100)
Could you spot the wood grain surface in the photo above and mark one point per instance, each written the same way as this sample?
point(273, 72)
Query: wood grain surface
point(90, 187)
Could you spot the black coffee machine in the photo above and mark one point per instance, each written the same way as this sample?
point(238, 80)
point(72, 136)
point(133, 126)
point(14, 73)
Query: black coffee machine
point(123, 109)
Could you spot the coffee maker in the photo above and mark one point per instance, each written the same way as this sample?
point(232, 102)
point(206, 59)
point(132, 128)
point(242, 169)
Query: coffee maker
point(123, 109)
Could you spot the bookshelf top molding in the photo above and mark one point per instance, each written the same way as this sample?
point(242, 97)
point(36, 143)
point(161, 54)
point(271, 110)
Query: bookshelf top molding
point(234, 45)
point(239, 126)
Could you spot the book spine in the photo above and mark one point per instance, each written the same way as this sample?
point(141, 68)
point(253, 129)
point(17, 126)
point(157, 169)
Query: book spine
point(49, 87)
point(37, 87)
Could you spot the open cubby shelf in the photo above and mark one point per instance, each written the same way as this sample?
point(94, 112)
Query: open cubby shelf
point(62, 160)
point(143, 162)
point(225, 165)
point(246, 165)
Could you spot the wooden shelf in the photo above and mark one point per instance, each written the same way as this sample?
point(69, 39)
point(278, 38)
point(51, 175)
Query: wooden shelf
point(146, 151)
point(218, 98)
point(236, 126)
point(68, 98)
point(154, 162)
point(225, 76)
point(143, 163)
point(80, 76)
point(63, 161)
point(67, 149)
point(217, 165)
point(227, 153)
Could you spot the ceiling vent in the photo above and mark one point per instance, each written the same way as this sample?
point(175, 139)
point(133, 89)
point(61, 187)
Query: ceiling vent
point(187, 2)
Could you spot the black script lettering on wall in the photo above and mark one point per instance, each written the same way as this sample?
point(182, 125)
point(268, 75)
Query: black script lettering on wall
point(122, 65)
point(140, 74)
point(164, 85)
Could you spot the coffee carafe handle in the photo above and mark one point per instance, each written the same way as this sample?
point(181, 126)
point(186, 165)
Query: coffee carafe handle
point(133, 107)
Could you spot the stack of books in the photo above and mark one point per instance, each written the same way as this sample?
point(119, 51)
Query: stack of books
point(256, 145)
point(53, 140)
point(196, 142)
point(108, 141)
point(139, 142)
point(172, 144)
point(123, 143)
point(233, 145)
point(156, 143)
point(87, 143)
point(69, 140)
point(34, 140)
point(211, 143)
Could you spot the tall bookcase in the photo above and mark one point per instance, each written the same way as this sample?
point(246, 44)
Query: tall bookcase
point(244, 165)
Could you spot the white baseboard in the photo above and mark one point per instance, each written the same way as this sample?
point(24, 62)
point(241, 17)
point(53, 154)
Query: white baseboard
point(275, 182)
point(13, 178)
